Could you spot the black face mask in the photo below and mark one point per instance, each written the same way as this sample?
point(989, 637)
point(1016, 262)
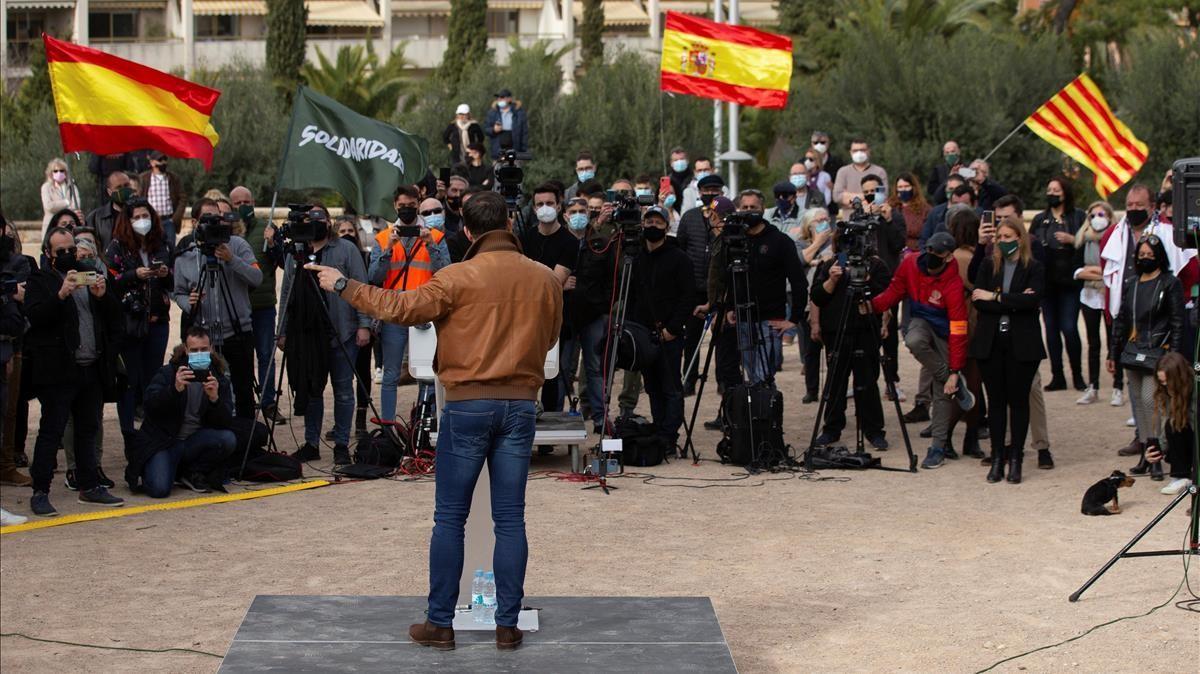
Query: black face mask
point(1053, 200)
point(407, 214)
point(1145, 265)
point(351, 238)
point(1137, 217)
point(8, 245)
point(454, 202)
point(654, 234)
point(934, 263)
point(322, 232)
point(64, 260)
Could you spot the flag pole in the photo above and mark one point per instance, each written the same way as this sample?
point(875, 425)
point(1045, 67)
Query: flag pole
point(287, 144)
point(1010, 135)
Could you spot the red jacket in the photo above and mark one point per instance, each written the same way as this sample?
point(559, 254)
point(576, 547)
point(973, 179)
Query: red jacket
point(939, 300)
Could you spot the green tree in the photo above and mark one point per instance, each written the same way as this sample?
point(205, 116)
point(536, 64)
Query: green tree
point(915, 17)
point(286, 45)
point(358, 80)
point(468, 38)
point(33, 93)
point(812, 25)
point(591, 33)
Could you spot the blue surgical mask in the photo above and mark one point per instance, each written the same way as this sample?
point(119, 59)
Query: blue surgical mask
point(502, 104)
point(643, 192)
point(702, 174)
point(199, 360)
point(585, 176)
point(799, 180)
point(821, 227)
point(669, 201)
point(578, 222)
point(679, 165)
point(435, 221)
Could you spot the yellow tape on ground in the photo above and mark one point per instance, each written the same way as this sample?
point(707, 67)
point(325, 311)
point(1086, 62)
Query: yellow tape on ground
point(172, 505)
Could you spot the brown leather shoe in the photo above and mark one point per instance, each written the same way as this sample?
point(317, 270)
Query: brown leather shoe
point(1132, 449)
point(508, 638)
point(428, 634)
point(14, 477)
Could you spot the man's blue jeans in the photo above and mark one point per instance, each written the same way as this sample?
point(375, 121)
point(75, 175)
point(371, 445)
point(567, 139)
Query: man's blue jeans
point(341, 375)
point(500, 431)
point(759, 363)
point(207, 446)
point(395, 344)
point(263, 326)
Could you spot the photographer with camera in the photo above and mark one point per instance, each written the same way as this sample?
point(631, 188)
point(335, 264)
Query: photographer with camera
point(139, 258)
point(71, 346)
point(937, 332)
point(187, 434)
point(405, 257)
point(854, 269)
point(321, 342)
point(662, 286)
point(213, 280)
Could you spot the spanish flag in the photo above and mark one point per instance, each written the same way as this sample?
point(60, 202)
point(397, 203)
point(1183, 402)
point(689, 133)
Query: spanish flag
point(729, 63)
point(1078, 121)
point(108, 105)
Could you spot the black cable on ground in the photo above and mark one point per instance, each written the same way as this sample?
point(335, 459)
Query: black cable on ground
point(111, 648)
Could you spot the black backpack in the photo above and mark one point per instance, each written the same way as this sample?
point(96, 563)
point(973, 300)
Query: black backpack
point(380, 448)
point(272, 467)
point(752, 412)
point(641, 445)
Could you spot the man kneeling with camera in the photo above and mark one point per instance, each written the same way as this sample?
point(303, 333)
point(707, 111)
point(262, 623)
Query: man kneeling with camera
point(186, 435)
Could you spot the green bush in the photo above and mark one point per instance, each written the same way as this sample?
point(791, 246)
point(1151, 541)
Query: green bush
point(23, 165)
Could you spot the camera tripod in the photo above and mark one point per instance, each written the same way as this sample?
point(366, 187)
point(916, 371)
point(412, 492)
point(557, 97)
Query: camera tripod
point(1193, 491)
point(751, 348)
point(840, 370)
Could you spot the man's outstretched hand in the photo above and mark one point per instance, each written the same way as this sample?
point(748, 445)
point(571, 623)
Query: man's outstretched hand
point(326, 276)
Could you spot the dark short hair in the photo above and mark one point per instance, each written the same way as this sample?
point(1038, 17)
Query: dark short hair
point(1137, 187)
point(51, 232)
point(868, 178)
point(477, 147)
point(859, 140)
point(548, 188)
point(584, 154)
point(485, 212)
point(751, 193)
point(964, 189)
point(409, 191)
point(590, 188)
point(1010, 200)
point(955, 177)
point(643, 178)
point(476, 189)
point(197, 332)
point(702, 158)
point(678, 150)
point(200, 204)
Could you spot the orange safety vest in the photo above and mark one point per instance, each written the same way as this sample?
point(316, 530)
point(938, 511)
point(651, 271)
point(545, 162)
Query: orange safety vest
point(409, 267)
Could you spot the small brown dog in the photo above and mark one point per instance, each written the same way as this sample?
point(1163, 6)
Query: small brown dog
point(1096, 498)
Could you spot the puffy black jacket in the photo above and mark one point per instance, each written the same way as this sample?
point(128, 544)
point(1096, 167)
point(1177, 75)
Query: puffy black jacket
point(695, 239)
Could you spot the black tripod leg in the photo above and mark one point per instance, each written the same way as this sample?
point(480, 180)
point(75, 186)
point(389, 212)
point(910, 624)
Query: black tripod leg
point(1189, 492)
point(688, 446)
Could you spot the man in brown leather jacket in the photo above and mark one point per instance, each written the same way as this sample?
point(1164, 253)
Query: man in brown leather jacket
point(497, 313)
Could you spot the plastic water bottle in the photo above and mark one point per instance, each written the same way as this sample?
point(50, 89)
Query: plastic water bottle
point(489, 598)
point(477, 596)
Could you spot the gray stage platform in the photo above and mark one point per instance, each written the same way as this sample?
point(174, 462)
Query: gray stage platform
point(578, 634)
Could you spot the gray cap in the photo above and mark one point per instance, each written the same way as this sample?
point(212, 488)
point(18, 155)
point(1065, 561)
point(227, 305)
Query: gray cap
point(659, 211)
point(941, 243)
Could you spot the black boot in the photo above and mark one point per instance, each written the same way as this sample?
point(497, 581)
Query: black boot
point(360, 422)
point(1015, 457)
point(1142, 467)
point(971, 444)
point(1156, 472)
point(1077, 380)
point(996, 473)
point(1057, 383)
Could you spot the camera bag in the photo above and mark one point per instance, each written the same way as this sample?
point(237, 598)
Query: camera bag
point(753, 424)
point(379, 448)
point(272, 467)
point(641, 445)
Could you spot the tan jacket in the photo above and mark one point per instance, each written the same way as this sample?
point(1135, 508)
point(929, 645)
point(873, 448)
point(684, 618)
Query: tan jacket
point(497, 313)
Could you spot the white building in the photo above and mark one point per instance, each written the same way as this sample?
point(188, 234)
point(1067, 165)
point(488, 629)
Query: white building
point(183, 34)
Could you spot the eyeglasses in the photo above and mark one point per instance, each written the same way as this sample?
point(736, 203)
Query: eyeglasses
point(432, 211)
point(1150, 239)
point(57, 171)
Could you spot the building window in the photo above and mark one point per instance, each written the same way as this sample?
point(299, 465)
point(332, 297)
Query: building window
point(23, 28)
point(334, 32)
point(115, 26)
point(217, 27)
point(502, 23)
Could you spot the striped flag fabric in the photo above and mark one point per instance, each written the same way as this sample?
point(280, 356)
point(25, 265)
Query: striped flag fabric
point(1078, 121)
point(108, 105)
point(728, 63)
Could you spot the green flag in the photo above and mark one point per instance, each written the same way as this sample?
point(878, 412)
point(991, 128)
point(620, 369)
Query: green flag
point(330, 145)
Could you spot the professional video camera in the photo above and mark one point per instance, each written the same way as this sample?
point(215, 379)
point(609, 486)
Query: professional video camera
point(856, 243)
point(212, 230)
point(627, 214)
point(733, 233)
point(509, 176)
point(303, 225)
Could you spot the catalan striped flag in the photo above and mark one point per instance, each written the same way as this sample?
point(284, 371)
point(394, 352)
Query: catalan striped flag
point(1078, 121)
point(108, 105)
point(729, 63)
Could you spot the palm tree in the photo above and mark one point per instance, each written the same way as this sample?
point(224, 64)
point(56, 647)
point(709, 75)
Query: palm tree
point(357, 79)
point(916, 17)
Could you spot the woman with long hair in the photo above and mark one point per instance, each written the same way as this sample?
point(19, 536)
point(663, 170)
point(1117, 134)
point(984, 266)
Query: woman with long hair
point(1055, 228)
point(814, 243)
point(59, 192)
point(909, 199)
point(1007, 343)
point(140, 261)
point(817, 177)
point(1150, 320)
point(1089, 269)
point(964, 227)
point(1173, 399)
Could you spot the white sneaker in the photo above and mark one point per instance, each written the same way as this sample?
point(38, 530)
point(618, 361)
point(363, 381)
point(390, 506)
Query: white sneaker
point(1131, 422)
point(379, 375)
point(1176, 486)
point(1088, 397)
point(1118, 398)
point(900, 394)
point(8, 519)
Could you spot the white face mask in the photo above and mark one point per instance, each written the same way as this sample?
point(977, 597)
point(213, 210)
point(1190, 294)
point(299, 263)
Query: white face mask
point(821, 147)
point(1099, 223)
point(546, 214)
point(366, 226)
point(142, 226)
point(809, 164)
point(859, 157)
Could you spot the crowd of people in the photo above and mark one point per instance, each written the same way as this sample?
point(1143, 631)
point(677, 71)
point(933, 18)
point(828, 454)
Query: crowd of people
point(952, 271)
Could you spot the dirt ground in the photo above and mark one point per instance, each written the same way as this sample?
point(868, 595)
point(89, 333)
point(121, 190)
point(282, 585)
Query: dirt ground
point(869, 571)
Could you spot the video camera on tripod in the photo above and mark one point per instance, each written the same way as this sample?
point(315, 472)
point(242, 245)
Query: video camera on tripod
point(211, 231)
point(509, 176)
point(627, 214)
point(856, 243)
point(303, 225)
